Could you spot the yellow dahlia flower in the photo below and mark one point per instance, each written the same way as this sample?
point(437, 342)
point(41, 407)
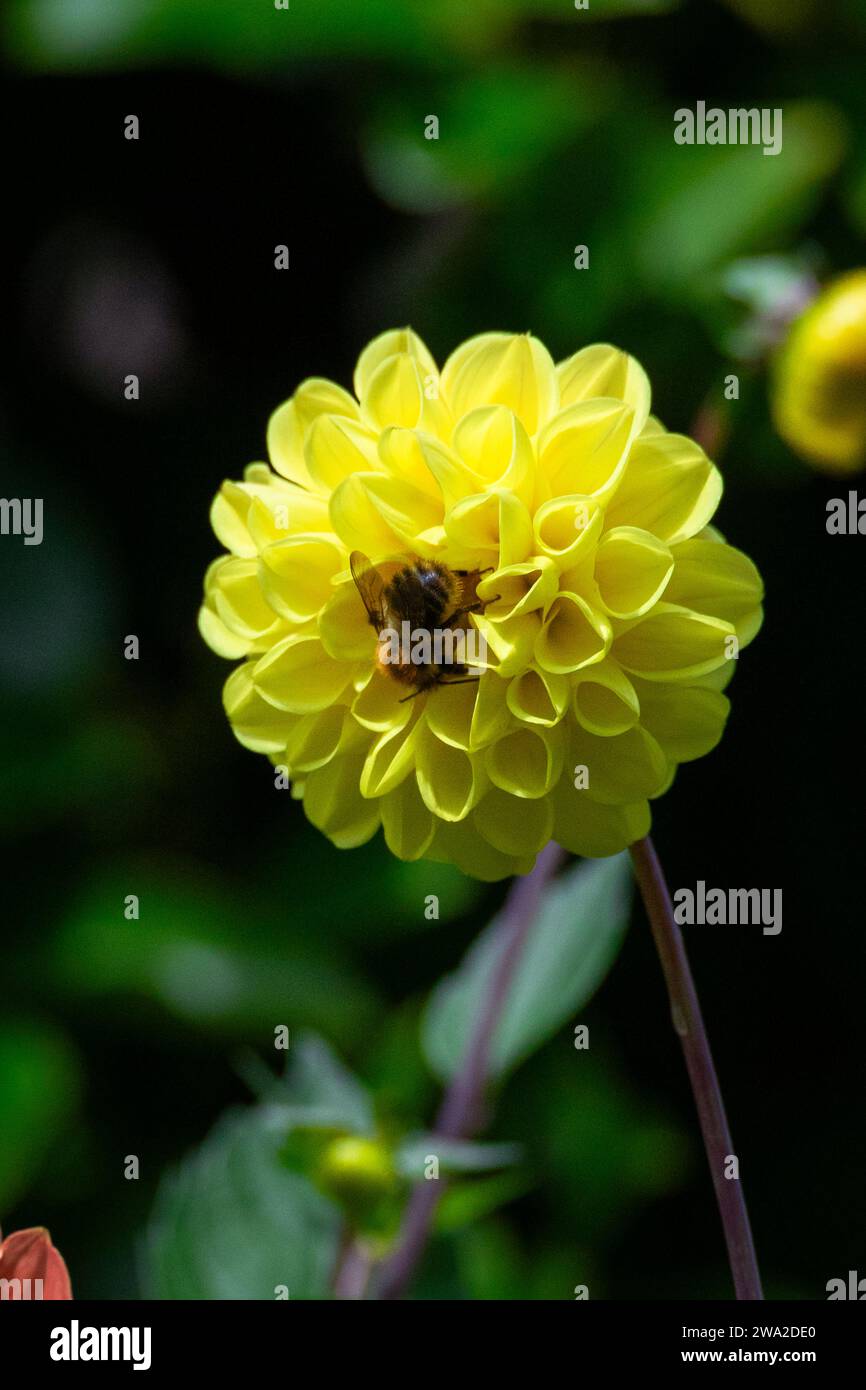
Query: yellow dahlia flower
point(610, 609)
point(819, 395)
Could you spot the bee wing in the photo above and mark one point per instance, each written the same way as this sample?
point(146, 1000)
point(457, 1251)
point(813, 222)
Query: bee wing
point(370, 586)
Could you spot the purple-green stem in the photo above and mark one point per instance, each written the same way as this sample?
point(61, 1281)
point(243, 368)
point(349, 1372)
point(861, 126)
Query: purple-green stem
point(689, 1025)
point(462, 1112)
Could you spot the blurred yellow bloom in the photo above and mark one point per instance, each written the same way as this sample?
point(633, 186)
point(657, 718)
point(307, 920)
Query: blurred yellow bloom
point(611, 610)
point(819, 394)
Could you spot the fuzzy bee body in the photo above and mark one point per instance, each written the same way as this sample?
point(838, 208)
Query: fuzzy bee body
point(423, 593)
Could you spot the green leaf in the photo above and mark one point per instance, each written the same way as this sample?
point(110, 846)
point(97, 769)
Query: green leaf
point(571, 947)
point(319, 1090)
point(233, 1222)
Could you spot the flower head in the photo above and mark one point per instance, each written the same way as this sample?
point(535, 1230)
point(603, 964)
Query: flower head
point(819, 396)
point(31, 1268)
point(566, 526)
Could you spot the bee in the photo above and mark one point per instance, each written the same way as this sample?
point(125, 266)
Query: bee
point(428, 597)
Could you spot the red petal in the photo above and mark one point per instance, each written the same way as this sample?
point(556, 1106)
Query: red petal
point(30, 1255)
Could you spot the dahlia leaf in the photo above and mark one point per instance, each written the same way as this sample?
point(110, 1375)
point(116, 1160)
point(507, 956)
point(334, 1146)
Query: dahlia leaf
point(572, 945)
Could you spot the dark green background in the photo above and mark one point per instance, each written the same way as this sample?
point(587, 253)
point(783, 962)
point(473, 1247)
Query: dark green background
point(156, 257)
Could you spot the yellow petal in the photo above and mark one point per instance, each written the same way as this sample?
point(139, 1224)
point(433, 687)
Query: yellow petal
point(450, 712)
point(585, 448)
point(494, 528)
point(573, 635)
point(623, 768)
point(391, 758)
point(337, 446)
point(497, 451)
point(527, 762)
point(408, 824)
point(490, 715)
point(716, 579)
point(590, 828)
point(509, 369)
point(344, 628)
point(632, 570)
point(605, 701)
point(687, 721)
point(298, 675)
point(450, 781)
point(669, 487)
point(567, 529)
point(296, 574)
point(315, 739)
point(514, 590)
point(290, 422)
point(255, 723)
point(602, 370)
point(388, 344)
point(334, 804)
point(538, 697)
point(382, 705)
point(512, 824)
point(673, 643)
point(465, 846)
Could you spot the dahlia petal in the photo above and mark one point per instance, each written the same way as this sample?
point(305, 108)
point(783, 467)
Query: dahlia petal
point(490, 715)
point(465, 847)
point(239, 601)
point(567, 529)
point(402, 456)
point(495, 448)
point(514, 590)
point(605, 701)
point(493, 527)
point(602, 370)
point(450, 781)
point(672, 643)
point(587, 827)
point(255, 723)
point(218, 637)
point(334, 804)
point(510, 369)
point(538, 697)
point(527, 761)
point(359, 522)
point(290, 422)
point(399, 393)
point(450, 712)
point(298, 675)
point(284, 509)
point(513, 825)
point(408, 825)
point(390, 758)
point(315, 739)
point(687, 721)
point(336, 446)
point(632, 570)
point(585, 449)
point(344, 628)
point(296, 574)
point(669, 487)
point(622, 768)
point(573, 635)
point(716, 579)
point(509, 643)
point(381, 706)
point(389, 344)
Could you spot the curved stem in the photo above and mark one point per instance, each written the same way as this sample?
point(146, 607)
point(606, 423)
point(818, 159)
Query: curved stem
point(689, 1026)
point(461, 1114)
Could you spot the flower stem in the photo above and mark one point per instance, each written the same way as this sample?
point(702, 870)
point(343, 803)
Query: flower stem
point(689, 1026)
point(462, 1111)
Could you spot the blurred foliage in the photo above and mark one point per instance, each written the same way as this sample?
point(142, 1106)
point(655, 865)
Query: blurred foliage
point(132, 1035)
